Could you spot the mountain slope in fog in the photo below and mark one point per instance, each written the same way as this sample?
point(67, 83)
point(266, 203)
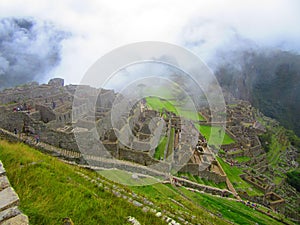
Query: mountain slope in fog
point(270, 80)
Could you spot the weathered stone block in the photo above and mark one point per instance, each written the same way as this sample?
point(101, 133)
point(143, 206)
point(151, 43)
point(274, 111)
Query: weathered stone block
point(20, 219)
point(2, 170)
point(9, 213)
point(8, 198)
point(4, 182)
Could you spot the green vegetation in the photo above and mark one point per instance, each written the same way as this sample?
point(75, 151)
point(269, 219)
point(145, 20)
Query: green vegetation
point(276, 146)
point(160, 149)
point(278, 97)
point(293, 178)
point(125, 178)
point(233, 173)
point(232, 210)
point(50, 190)
point(199, 180)
point(171, 142)
point(293, 138)
point(235, 152)
point(242, 159)
point(213, 134)
point(173, 106)
point(170, 198)
point(266, 139)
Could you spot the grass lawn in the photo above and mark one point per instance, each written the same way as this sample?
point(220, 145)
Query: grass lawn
point(231, 210)
point(169, 197)
point(160, 149)
point(173, 106)
point(199, 180)
point(233, 173)
point(125, 178)
point(211, 133)
point(242, 159)
point(51, 190)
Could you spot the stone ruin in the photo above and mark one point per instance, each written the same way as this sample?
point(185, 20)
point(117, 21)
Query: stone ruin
point(49, 111)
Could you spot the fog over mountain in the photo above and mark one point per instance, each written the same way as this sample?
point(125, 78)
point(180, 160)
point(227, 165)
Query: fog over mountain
point(252, 46)
point(269, 79)
point(29, 49)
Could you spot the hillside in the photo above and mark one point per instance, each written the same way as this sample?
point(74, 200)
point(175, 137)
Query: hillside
point(51, 190)
point(269, 79)
point(188, 168)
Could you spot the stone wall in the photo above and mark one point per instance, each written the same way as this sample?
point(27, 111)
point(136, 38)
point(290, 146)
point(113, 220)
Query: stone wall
point(204, 188)
point(9, 201)
point(46, 113)
point(139, 157)
point(193, 169)
point(11, 120)
point(59, 139)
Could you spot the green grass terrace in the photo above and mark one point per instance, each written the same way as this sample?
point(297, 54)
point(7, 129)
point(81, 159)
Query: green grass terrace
point(214, 134)
point(233, 173)
point(158, 104)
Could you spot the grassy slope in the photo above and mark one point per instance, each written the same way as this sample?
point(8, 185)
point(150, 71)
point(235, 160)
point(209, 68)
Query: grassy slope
point(50, 190)
point(232, 210)
point(242, 159)
point(158, 104)
point(199, 180)
point(211, 133)
point(233, 173)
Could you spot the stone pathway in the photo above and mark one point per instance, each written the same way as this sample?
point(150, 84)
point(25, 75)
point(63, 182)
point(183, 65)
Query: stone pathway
point(9, 201)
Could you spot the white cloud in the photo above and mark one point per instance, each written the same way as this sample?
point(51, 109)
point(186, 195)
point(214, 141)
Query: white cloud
point(100, 26)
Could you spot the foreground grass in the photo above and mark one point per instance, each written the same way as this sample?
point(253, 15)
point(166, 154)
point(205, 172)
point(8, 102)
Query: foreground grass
point(126, 178)
point(170, 198)
point(50, 190)
point(234, 211)
point(228, 210)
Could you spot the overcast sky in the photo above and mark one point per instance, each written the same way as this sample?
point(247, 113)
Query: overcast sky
point(202, 26)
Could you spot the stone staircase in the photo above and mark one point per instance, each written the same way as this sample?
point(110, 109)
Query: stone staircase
point(9, 201)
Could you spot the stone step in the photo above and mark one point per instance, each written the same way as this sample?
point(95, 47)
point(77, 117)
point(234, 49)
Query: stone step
point(2, 170)
point(9, 213)
point(8, 198)
point(20, 219)
point(4, 182)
